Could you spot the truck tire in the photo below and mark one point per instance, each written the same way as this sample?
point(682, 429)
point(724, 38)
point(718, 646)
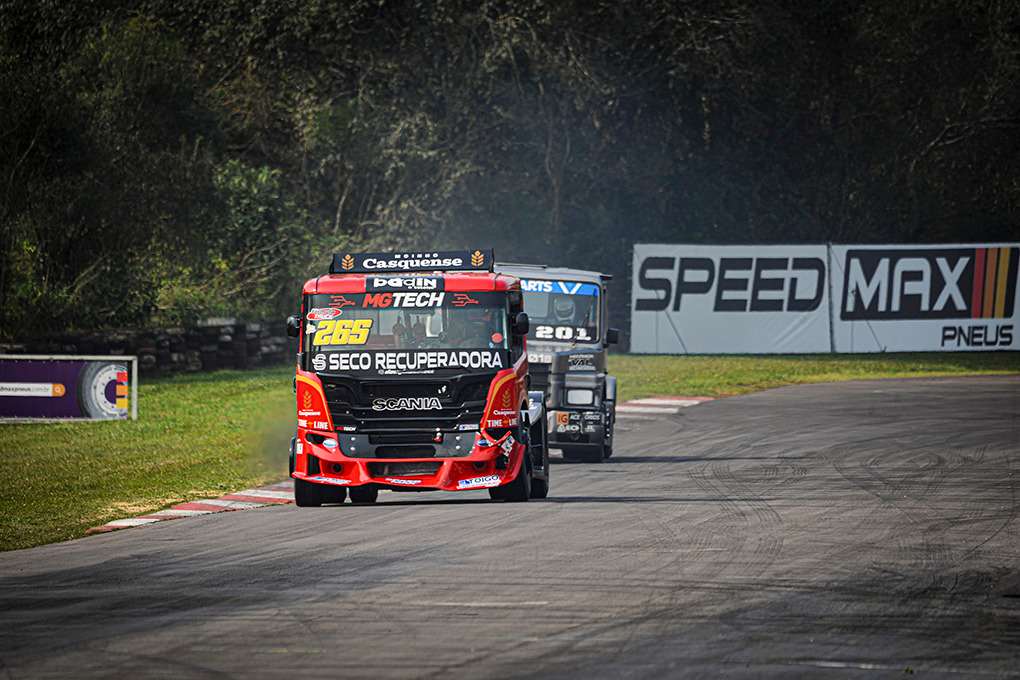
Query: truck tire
point(363, 495)
point(584, 454)
point(334, 494)
point(540, 441)
point(539, 488)
point(326, 494)
point(607, 447)
point(517, 491)
point(307, 494)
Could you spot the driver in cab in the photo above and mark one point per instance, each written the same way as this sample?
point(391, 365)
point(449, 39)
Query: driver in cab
point(568, 313)
point(477, 328)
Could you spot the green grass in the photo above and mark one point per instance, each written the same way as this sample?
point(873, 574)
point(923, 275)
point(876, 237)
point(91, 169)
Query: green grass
point(197, 436)
point(729, 375)
point(201, 436)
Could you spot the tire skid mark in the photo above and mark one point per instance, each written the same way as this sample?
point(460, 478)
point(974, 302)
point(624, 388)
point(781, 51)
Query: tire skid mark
point(768, 523)
point(736, 504)
point(914, 492)
point(752, 555)
point(775, 548)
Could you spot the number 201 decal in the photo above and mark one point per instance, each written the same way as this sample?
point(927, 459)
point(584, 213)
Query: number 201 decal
point(561, 333)
point(342, 332)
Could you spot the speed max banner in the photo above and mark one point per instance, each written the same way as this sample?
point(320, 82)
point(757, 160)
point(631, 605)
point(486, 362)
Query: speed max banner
point(697, 299)
point(807, 299)
point(926, 298)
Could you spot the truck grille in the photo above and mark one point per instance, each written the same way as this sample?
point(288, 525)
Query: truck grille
point(412, 468)
point(405, 452)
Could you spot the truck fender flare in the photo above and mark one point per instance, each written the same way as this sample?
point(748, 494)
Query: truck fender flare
point(536, 406)
point(611, 388)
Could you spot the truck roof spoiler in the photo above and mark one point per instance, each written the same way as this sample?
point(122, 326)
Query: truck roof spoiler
point(522, 265)
point(605, 277)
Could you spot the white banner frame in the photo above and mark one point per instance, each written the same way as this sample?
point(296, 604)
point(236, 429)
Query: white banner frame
point(77, 357)
point(925, 298)
point(705, 299)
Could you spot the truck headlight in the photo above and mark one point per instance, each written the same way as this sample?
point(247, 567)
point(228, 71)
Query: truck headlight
point(580, 397)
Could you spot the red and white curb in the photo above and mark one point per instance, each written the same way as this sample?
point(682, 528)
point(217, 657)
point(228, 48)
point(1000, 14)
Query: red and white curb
point(283, 492)
point(274, 494)
point(657, 406)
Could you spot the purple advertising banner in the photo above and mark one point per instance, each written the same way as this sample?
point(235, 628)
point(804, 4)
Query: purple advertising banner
point(80, 388)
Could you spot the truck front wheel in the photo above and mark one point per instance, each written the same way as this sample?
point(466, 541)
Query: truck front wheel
point(610, 418)
point(516, 491)
point(363, 495)
point(585, 454)
point(307, 494)
point(540, 454)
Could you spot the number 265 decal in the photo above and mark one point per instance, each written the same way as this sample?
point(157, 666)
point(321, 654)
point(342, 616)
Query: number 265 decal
point(342, 332)
point(561, 333)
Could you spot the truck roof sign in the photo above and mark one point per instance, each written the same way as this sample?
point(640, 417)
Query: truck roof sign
point(447, 260)
point(561, 287)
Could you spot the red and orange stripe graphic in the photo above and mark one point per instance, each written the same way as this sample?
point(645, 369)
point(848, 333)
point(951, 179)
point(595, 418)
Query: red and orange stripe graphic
point(122, 389)
point(995, 271)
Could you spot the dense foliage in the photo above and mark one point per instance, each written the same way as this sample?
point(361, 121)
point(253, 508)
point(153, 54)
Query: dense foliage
point(163, 160)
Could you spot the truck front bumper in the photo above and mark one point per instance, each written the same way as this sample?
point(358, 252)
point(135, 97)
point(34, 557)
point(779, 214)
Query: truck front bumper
point(481, 467)
point(576, 427)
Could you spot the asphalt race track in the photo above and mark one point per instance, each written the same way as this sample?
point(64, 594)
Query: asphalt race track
point(851, 530)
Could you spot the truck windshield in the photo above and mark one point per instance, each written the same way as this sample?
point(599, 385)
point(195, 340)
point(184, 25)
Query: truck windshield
point(405, 320)
point(562, 311)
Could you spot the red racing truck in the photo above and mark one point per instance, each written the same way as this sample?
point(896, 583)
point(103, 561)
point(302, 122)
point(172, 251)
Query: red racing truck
point(412, 375)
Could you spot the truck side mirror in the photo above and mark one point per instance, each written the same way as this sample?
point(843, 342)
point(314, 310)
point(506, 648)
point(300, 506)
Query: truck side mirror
point(293, 326)
point(521, 323)
point(612, 336)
